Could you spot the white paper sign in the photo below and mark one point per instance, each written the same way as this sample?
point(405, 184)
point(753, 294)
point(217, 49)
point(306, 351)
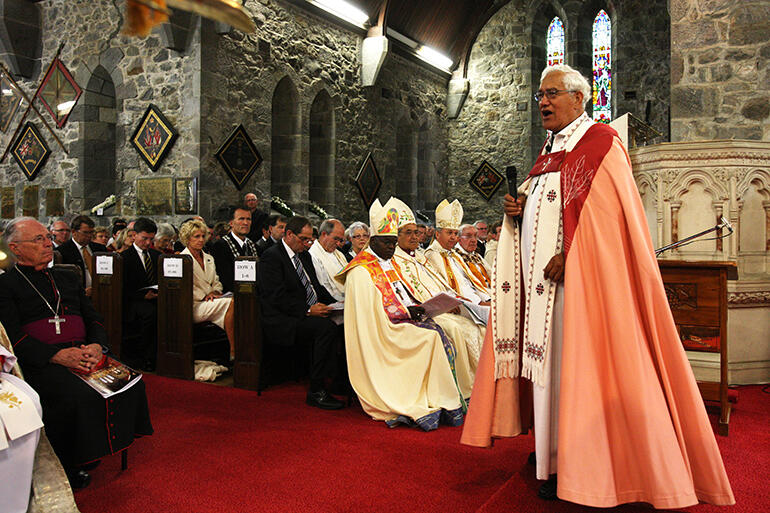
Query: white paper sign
point(245, 270)
point(103, 264)
point(172, 267)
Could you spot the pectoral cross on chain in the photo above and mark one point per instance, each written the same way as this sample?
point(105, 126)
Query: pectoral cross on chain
point(57, 320)
point(545, 164)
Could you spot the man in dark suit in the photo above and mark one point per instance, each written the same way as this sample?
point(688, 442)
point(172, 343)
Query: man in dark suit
point(276, 227)
point(80, 249)
point(258, 217)
point(140, 307)
point(295, 311)
point(234, 244)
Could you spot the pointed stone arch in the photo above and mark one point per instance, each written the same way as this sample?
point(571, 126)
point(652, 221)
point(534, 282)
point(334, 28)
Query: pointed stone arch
point(286, 177)
point(322, 135)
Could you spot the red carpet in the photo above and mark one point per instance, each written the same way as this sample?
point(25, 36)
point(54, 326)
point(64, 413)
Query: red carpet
point(218, 449)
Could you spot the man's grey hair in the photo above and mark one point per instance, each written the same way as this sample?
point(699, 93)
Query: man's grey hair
point(353, 228)
point(57, 220)
point(464, 226)
point(573, 80)
point(12, 228)
point(327, 226)
point(476, 224)
point(164, 230)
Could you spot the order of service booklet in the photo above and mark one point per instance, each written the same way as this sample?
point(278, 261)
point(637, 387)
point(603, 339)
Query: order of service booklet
point(110, 377)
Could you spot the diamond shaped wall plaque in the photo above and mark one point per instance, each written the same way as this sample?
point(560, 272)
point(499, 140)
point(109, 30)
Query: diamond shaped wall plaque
point(30, 151)
point(239, 157)
point(154, 137)
point(10, 101)
point(368, 181)
point(59, 92)
point(486, 180)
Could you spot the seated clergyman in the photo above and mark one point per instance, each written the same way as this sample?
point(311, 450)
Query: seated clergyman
point(327, 259)
point(422, 283)
point(400, 365)
point(54, 330)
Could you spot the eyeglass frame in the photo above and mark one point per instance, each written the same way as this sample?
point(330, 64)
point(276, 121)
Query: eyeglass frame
point(37, 240)
point(551, 94)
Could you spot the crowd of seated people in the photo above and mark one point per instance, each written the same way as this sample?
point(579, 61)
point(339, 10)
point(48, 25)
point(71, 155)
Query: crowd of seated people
point(304, 274)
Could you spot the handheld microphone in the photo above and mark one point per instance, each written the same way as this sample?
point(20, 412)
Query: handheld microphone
point(510, 176)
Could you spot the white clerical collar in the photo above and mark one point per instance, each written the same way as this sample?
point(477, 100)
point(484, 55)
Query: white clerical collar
point(237, 239)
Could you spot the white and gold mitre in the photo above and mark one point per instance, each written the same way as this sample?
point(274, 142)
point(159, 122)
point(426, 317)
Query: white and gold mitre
point(405, 214)
point(383, 219)
point(449, 215)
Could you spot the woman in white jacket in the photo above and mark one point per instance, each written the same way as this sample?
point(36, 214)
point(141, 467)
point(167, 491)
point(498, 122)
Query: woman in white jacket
point(208, 305)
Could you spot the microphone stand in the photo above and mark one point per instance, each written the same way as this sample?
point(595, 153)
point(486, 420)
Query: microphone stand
point(684, 241)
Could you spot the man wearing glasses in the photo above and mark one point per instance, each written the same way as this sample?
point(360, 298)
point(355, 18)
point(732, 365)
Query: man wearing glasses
point(617, 413)
point(80, 249)
point(295, 311)
point(56, 331)
point(328, 260)
point(61, 233)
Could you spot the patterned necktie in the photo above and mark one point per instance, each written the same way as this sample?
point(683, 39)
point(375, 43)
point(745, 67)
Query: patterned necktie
point(309, 292)
point(148, 268)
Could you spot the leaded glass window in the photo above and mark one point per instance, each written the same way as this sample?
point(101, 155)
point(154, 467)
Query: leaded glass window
point(555, 42)
point(602, 93)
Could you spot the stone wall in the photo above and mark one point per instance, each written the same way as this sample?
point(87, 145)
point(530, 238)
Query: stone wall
point(720, 78)
point(499, 121)
point(206, 80)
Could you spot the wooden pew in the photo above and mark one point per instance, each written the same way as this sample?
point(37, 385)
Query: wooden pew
point(248, 325)
point(175, 326)
point(107, 296)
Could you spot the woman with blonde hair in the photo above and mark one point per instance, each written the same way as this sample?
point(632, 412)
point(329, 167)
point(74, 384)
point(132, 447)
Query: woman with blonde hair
point(124, 239)
point(208, 305)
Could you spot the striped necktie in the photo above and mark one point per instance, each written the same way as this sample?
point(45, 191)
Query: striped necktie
point(149, 268)
point(309, 292)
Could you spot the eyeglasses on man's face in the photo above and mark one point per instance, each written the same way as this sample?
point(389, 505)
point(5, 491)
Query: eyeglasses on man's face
point(40, 239)
point(551, 94)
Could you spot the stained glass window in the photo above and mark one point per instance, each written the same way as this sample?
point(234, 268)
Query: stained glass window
point(555, 42)
point(602, 94)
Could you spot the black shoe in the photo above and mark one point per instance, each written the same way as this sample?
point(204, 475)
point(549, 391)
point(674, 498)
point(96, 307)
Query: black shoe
point(90, 466)
point(79, 479)
point(322, 399)
point(532, 459)
point(548, 490)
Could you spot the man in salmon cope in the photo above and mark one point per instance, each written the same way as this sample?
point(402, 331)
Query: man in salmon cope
point(579, 312)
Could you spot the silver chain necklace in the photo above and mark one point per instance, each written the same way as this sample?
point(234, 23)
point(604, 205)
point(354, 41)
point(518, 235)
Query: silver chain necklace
point(56, 319)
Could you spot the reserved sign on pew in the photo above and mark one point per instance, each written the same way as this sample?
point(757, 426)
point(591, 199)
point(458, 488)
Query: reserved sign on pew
point(245, 270)
point(173, 268)
point(103, 264)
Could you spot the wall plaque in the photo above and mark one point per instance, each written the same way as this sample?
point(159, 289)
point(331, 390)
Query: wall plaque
point(30, 201)
point(154, 196)
point(186, 195)
point(30, 151)
point(368, 181)
point(8, 202)
point(54, 202)
point(239, 157)
point(154, 137)
point(486, 180)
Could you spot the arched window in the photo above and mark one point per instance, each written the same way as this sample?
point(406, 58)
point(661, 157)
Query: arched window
point(555, 42)
point(602, 94)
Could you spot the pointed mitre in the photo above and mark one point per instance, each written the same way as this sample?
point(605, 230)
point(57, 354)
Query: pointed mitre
point(405, 214)
point(383, 219)
point(449, 215)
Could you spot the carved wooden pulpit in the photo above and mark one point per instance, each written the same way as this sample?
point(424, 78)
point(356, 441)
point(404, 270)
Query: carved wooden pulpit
point(697, 295)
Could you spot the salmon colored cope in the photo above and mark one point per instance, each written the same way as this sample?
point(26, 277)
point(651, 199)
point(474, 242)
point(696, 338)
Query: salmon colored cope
point(632, 424)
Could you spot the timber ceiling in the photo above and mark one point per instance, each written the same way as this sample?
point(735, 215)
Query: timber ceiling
point(449, 26)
